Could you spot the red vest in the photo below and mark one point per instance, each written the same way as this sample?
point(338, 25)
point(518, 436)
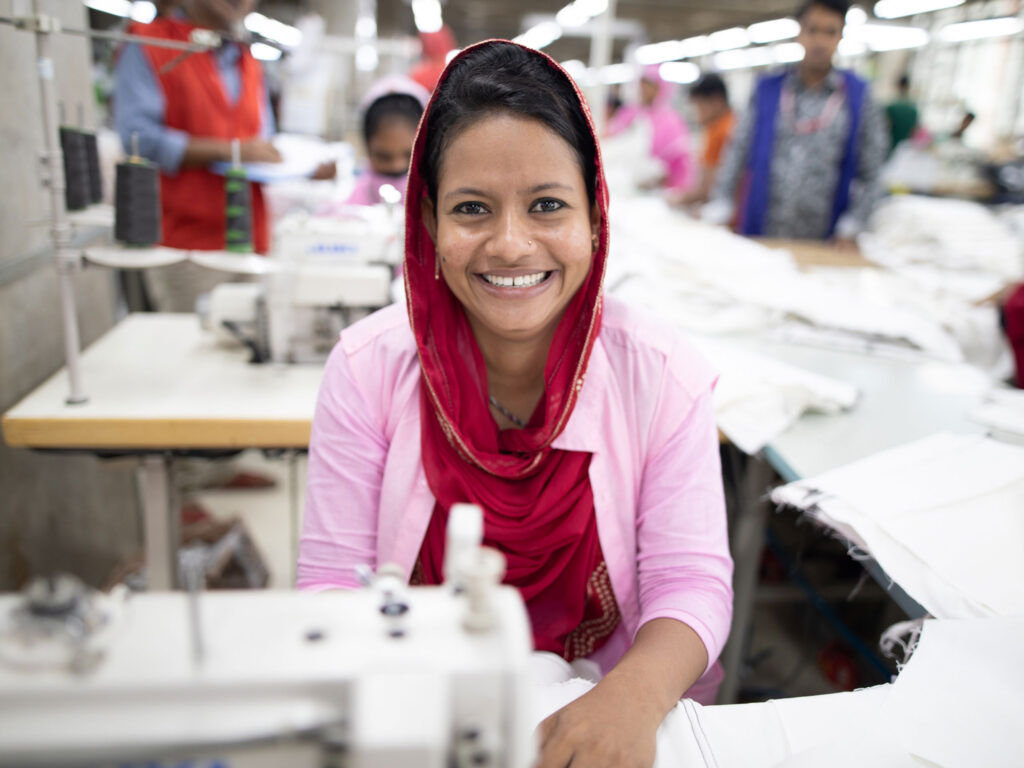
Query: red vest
point(193, 200)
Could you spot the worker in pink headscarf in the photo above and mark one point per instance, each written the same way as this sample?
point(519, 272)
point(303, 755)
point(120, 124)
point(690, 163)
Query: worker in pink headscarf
point(670, 138)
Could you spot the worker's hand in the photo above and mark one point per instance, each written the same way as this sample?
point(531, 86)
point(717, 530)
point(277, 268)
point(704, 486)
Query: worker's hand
point(259, 151)
point(325, 171)
point(608, 727)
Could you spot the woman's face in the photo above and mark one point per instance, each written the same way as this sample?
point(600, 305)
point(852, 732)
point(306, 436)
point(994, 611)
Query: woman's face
point(390, 147)
point(514, 227)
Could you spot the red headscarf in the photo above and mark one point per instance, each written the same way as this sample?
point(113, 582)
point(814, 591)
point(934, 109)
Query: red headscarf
point(537, 501)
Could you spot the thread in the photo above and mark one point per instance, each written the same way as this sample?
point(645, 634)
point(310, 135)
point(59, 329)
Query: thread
point(238, 206)
point(77, 191)
point(92, 156)
point(137, 201)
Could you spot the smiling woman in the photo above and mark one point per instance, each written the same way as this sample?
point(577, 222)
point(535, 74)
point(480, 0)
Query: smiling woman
point(582, 427)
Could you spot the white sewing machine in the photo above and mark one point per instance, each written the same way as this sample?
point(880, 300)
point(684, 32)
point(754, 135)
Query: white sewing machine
point(325, 273)
point(383, 677)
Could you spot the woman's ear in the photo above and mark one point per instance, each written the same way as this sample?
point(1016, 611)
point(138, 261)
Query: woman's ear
point(595, 220)
point(429, 217)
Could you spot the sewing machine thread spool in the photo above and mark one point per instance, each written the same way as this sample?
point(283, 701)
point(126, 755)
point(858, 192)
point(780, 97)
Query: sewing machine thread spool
point(137, 201)
point(77, 190)
point(238, 212)
point(92, 156)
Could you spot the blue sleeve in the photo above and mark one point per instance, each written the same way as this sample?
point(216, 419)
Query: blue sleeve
point(139, 107)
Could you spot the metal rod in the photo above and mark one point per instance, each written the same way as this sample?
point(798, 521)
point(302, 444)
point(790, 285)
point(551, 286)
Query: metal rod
point(600, 56)
point(60, 229)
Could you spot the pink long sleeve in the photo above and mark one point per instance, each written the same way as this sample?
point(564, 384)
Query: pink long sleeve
point(683, 563)
point(347, 454)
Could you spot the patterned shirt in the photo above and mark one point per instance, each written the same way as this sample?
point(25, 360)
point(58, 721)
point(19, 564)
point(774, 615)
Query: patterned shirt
point(806, 167)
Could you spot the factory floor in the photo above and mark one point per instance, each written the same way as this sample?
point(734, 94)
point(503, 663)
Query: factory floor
point(793, 650)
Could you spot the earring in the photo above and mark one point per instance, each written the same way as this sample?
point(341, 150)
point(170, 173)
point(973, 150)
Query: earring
point(437, 267)
point(594, 242)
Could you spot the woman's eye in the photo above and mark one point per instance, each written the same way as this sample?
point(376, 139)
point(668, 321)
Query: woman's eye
point(548, 205)
point(470, 208)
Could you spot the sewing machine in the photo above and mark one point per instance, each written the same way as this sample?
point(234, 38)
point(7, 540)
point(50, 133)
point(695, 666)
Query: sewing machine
point(386, 676)
point(325, 273)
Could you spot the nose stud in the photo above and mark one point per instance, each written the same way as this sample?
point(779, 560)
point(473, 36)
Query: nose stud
point(530, 243)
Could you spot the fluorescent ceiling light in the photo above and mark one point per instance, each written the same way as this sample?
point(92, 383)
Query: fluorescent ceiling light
point(540, 35)
point(655, 53)
point(977, 30)
point(856, 15)
point(771, 31)
point(366, 58)
point(697, 46)
point(575, 68)
point(592, 7)
point(272, 29)
point(142, 11)
point(366, 26)
point(614, 74)
point(760, 56)
point(850, 47)
point(264, 52)
point(427, 15)
point(787, 53)
point(894, 9)
point(887, 37)
point(451, 55)
point(679, 72)
point(727, 39)
point(572, 16)
point(735, 59)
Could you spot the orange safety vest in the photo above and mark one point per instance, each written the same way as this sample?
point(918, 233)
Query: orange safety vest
point(193, 200)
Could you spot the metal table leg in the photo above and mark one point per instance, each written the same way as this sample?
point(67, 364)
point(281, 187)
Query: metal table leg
point(161, 522)
point(747, 541)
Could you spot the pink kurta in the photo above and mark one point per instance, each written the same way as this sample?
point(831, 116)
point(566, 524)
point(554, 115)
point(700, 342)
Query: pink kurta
point(645, 413)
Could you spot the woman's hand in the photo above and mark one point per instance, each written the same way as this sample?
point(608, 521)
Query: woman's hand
point(610, 726)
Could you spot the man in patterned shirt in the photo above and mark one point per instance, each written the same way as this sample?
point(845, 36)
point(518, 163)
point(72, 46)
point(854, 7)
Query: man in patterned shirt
point(805, 159)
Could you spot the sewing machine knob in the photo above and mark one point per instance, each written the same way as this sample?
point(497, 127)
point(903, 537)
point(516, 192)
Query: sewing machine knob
point(55, 596)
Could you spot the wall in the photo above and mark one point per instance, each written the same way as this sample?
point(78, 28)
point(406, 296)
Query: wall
point(72, 513)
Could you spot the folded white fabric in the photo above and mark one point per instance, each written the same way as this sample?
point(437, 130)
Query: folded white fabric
point(943, 516)
point(757, 397)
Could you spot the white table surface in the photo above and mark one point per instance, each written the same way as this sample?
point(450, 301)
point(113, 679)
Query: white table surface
point(158, 381)
point(901, 400)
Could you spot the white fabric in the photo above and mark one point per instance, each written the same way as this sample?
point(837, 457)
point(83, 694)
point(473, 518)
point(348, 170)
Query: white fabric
point(1002, 409)
point(959, 702)
point(943, 516)
point(757, 397)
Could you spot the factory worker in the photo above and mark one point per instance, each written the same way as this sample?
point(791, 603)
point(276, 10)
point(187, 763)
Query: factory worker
point(391, 111)
point(806, 156)
point(582, 426)
point(186, 109)
point(670, 138)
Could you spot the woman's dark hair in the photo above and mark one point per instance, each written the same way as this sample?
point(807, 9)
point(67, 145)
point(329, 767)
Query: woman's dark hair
point(388, 107)
point(709, 86)
point(836, 6)
point(503, 77)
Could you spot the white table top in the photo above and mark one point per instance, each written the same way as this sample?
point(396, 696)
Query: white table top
point(159, 381)
point(901, 401)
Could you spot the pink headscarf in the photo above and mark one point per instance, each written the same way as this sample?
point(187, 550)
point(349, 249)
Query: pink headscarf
point(670, 138)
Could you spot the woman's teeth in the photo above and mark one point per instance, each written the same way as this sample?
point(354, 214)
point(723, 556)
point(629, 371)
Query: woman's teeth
point(520, 281)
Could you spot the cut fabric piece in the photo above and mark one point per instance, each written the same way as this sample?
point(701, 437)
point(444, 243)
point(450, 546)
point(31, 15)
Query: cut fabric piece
point(958, 702)
point(943, 516)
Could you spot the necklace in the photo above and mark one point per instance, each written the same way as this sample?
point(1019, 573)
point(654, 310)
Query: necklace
point(507, 413)
point(811, 124)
